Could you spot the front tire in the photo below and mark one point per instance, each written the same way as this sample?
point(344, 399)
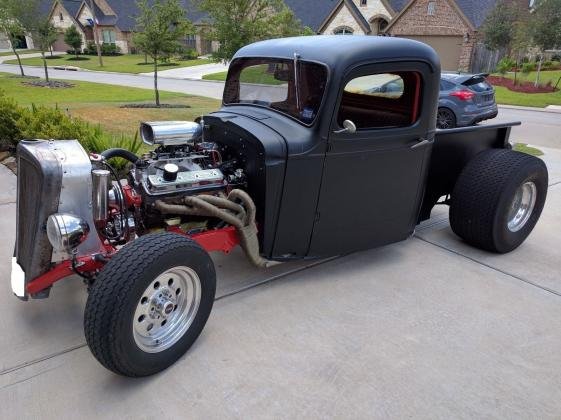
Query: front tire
point(498, 199)
point(149, 304)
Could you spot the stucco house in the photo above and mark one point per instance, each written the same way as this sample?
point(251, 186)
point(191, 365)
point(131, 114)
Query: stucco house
point(360, 17)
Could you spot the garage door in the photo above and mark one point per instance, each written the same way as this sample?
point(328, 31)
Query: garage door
point(447, 47)
point(60, 45)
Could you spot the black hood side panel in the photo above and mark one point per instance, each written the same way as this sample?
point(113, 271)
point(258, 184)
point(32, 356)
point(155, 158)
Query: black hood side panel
point(284, 181)
point(262, 153)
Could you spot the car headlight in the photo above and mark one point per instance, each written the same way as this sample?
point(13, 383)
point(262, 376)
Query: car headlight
point(66, 231)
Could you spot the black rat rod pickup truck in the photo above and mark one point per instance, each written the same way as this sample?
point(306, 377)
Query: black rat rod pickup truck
point(324, 145)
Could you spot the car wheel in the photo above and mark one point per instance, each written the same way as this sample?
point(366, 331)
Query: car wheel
point(498, 199)
point(445, 118)
point(149, 304)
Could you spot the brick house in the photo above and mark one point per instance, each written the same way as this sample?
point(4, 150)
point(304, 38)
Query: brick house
point(451, 27)
point(116, 23)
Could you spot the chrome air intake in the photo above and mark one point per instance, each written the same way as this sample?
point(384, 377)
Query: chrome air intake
point(170, 133)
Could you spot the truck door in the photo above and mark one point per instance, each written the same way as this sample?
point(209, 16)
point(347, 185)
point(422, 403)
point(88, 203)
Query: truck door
point(373, 179)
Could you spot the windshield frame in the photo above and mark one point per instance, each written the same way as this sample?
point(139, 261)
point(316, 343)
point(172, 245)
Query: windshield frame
point(292, 117)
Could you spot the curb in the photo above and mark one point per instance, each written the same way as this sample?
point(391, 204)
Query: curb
point(530, 108)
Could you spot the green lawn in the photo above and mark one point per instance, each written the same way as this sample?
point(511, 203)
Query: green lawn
point(129, 63)
point(541, 100)
point(99, 103)
point(4, 54)
point(545, 76)
point(524, 148)
point(255, 74)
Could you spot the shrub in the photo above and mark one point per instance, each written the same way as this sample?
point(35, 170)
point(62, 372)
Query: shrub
point(528, 67)
point(110, 49)
point(9, 115)
point(550, 65)
point(189, 54)
point(41, 122)
point(505, 65)
point(106, 49)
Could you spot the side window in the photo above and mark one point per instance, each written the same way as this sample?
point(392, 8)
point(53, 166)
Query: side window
point(381, 100)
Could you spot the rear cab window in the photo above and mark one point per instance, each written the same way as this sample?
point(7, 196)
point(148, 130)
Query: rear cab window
point(278, 84)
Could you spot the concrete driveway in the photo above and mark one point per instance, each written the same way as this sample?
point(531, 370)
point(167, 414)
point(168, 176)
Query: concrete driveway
point(193, 72)
point(427, 328)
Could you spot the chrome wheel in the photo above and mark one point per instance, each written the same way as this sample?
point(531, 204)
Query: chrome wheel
point(166, 309)
point(522, 206)
point(445, 119)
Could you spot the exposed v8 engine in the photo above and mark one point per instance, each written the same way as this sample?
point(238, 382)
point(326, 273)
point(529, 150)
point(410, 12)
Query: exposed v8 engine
point(184, 185)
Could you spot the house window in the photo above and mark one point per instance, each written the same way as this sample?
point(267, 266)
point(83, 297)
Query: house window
point(431, 8)
point(378, 25)
point(381, 100)
point(344, 30)
point(61, 17)
point(108, 36)
point(364, 2)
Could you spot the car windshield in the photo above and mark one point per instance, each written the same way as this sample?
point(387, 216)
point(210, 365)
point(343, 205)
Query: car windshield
point(274, 83)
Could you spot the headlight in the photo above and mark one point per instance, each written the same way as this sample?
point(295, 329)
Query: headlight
point(66, 231)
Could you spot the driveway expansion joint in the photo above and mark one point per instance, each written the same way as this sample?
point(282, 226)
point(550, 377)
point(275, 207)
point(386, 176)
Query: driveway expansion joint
point(514, 276)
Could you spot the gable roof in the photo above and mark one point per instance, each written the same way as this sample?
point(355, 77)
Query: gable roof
point(473, 12)
point(476, 10)
point(397, 5)
point(310, 12)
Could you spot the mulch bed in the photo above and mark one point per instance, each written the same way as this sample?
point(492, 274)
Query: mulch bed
point(19, 76)
point(520, 86)
point(53, 84)
point(154, 106)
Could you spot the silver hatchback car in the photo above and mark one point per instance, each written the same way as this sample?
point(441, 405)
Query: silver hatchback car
point(465, 99)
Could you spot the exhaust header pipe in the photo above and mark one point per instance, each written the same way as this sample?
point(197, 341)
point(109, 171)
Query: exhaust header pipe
point(170, 133)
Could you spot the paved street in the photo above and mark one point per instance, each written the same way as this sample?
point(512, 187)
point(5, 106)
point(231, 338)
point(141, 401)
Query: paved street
point(193, 87)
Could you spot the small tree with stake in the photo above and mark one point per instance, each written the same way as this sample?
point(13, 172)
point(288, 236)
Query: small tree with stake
point(73, 38)
point(45, 35)
point(160, 26)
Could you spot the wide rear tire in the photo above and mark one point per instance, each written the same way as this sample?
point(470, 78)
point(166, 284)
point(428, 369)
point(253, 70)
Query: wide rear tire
point(149, 304)
point(498, 199)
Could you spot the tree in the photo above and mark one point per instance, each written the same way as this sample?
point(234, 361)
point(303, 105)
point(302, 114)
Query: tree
point(160, 26)
point(545, 28)
point(13, 30)
point(73, 38)
point(16, 17)
point(501, 25)
point(236, 23)
point(96, 33)
point(44, 34)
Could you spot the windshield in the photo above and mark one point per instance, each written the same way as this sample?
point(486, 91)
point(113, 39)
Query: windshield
point(270, 82)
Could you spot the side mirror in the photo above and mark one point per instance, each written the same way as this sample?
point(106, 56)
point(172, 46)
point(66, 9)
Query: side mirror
point(350, 128)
